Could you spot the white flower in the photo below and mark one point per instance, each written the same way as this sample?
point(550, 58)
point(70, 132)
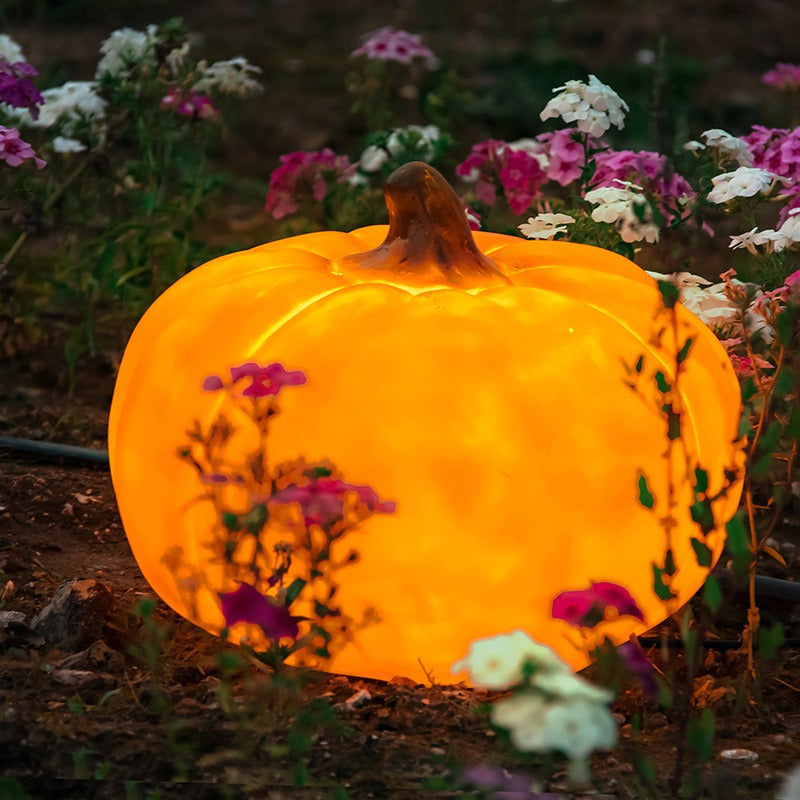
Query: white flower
point(373, 158)
point(568, 686)
point(543, 226)
point(10, 51)
point(790, 788)
point(790, 230)
point(176, 57)
point(66, 105)
point(694, 146)
point(61, 144)
point(728, 145)
point(230, 77)
point(420, 139)
point(627, 210)
point(496, 662)
point(680, 279)
point(124, 50)
point(742, 182)
point(593, 106)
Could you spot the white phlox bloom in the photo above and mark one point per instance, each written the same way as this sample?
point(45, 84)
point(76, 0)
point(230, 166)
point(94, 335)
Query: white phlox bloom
point(729, 145)
point(63, 144)
point(594, 107)
point(615, 206)
point(786, 236)
point(373, 158)
point(543, 226)
point(67, 104)
point(496, 662)
point(568, 686)
point(124, 50)
point(234, 76)
point(742, 182)
point(176, 57)
point(790, 230)
point(680, 279)
point(423, 137)
point(10, 51)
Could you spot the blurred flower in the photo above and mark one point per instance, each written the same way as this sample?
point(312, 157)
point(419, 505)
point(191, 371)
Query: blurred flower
point(783, 76)
point(247, 604)
point(497, 661)
point(727, 146)
point(10, 51)
point(593, 106)
point(14, 150)
point(67, 105)
point(176, 57)
point(568, 686)
point(62, 144)
point(503, 784)
point(637, 663)
point(411, 143)
point(233, 76)
point(302, 176)
point(373, 158)
point(15, 88)
point(545, 226)
point(321, 501)
point(126, 50)
point(628, 210)
point(389, 44)
point(586, 608)
point(188, 103)
point(742, 182)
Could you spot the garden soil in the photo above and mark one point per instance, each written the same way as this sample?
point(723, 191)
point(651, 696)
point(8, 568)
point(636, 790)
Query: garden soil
point(109, 727)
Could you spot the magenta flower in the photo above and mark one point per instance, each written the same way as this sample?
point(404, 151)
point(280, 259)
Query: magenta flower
point(564, 150)
point(585, 608)
point(247, 604)
point(264, 381)
point(188, 103)
point(302, 176)
point(322, 501)
point(15, 88)
point(783, 76)
point(389, 44)
point(14, 150)
point(521, 176)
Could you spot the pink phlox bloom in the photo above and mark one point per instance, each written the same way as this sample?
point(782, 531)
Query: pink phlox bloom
point(14, 150)
point(522, 176)
point(793, 198)
point(188, 103)
point(793, 279)
point(637, 663)
point(266, 380)
point(729, 344)
point(745, 366)
point(390, 44)
point(322, 501)
point(585, 608)
point(776, 150)
point(15, 88)
point(302, 175)
point(783, 76)
point(565, 154)
point(247, 604)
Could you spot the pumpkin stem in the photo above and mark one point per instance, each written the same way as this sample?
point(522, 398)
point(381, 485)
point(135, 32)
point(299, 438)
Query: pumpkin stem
point(428, 230)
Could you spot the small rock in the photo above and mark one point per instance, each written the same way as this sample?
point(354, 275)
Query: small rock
point(77, 614)
point(739, 754)
point(7, 617)
point(401, 680)
point(360, 698)
point(15, 633)
point(77, 678)
point(99, 656)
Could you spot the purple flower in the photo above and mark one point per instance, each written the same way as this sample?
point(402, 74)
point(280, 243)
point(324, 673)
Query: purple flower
point(783, 76)
point(14, 150)
point(247, 604)
point(322, 501)
point(637, 663)
point(389, 44)
point(188, 103)
point(585, 608)
point(17, 90)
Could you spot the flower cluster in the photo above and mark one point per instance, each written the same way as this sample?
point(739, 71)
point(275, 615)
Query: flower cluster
point(563, 153)
point(303, 175)
point(68, 106)
point(551, 709)
point(390, 149)
point(783, 76)
point(126, 51)
point(234, 76)
point(602, 600)
point(14, 150)
point(492, 164)
point(625, 208)
point(389, 44)
point(725, 147)
point(545, 226)
point(16, 90)
point(742, 182)
point(594, 107)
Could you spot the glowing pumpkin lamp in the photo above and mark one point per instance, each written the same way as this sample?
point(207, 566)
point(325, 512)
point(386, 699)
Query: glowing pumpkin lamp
point(476, 383)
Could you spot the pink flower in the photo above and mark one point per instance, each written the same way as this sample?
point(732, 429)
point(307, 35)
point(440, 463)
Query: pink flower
point(247, 604)
point(16, 90)
point(744, 366)
point(14, 150)
point(188, 103)
point(521, 177)
point(565, 156)
point(585, 608)
point(783, 76)
point(302, 175)
point(389, 44)
point(322, 501)
point(264, 381)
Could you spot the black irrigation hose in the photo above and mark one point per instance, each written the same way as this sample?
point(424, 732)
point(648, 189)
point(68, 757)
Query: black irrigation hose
point(766, 587)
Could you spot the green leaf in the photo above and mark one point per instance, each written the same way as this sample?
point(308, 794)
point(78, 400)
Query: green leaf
point(646, 497)
point(749, 390)
point(703, 515)
point(702, 552)
point(701, 734)
point(738, 545)
point(700, 480)
point(293, 590)
point(669, 562)
point(661, 590)
point(793, 428)
point(712, 594)
point(784, 383)
point(683, 353)
point(770, 439)
point(662, 383)
point(670, 294)
point(770, 639)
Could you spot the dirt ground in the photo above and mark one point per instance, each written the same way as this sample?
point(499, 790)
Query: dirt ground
point(58, 520)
